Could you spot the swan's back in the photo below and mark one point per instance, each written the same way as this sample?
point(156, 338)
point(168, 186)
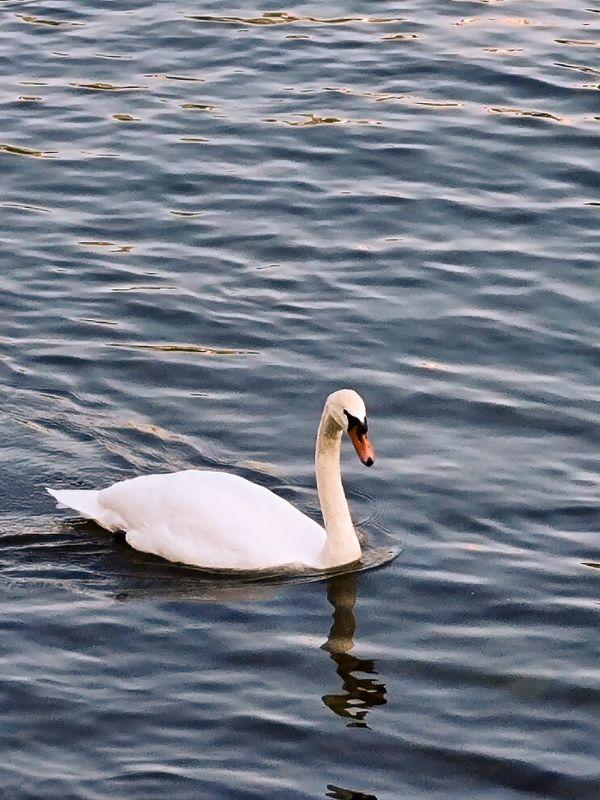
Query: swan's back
point(210, 519)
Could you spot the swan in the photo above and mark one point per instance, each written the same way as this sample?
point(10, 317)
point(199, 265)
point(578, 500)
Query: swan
point(217, 520)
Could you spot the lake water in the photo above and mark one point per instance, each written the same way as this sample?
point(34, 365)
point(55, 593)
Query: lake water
point(212, 215)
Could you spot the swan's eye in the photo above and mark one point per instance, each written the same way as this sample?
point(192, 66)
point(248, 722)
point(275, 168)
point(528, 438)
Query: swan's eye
point(356, 425)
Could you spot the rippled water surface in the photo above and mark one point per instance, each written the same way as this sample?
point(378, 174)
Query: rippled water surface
point(211, 216)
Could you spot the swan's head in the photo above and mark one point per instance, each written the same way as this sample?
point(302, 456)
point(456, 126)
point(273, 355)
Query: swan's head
point(348, 410)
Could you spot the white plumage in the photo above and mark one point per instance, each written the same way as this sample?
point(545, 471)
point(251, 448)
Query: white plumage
point(211, 519)
point(218, 520)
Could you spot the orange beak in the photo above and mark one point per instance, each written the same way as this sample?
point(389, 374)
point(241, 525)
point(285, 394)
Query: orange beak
point(364, 449)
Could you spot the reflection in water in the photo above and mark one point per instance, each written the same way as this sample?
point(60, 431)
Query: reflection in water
point(359, 693)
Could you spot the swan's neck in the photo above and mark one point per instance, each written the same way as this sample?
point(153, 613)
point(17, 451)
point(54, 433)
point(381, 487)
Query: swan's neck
point(342, 545)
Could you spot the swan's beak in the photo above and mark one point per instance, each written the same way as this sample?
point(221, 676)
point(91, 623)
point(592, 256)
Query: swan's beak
point(364, 449)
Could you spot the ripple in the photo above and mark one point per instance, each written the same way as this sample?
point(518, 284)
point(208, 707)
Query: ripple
point(143, 288)
point(503, 51)
point(401, 37)
point(198, 107)
point(435, 103)
point(113, 247)
point(25, 207)
point(194, 140)
point(377, 97)
point(166, 77)
point(579, 68)
point(115, 56)
point(100, 154)
point(284, 18)
point(522, 112)
point(19, 150)
point(107, 87)
point(92, 321)
point(314, 119)
point(183, 348)
point(467, 21)
point(579, 42)
point(515, 21)
point(53, 23)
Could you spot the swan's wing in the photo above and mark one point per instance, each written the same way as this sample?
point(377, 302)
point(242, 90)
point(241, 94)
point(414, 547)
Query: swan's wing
point(213, 519)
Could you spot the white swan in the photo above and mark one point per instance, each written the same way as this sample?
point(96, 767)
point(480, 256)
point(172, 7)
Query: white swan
point(222, 521)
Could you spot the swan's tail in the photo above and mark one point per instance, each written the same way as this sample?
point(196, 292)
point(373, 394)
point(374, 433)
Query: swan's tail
point(84, 501)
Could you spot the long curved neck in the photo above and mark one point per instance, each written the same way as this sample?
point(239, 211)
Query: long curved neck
point(342, 545)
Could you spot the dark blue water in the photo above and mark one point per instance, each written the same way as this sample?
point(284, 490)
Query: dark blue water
point(210, 217)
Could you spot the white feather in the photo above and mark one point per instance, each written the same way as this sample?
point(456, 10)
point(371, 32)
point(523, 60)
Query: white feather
point(210, 519)
point(222, 521)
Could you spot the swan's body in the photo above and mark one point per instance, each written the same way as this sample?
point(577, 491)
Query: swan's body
point(210, 519)
point(222, 521)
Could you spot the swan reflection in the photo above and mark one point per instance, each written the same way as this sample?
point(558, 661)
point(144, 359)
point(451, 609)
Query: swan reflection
point(361, 690)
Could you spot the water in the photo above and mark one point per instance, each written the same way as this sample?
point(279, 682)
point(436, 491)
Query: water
point(213, 215)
